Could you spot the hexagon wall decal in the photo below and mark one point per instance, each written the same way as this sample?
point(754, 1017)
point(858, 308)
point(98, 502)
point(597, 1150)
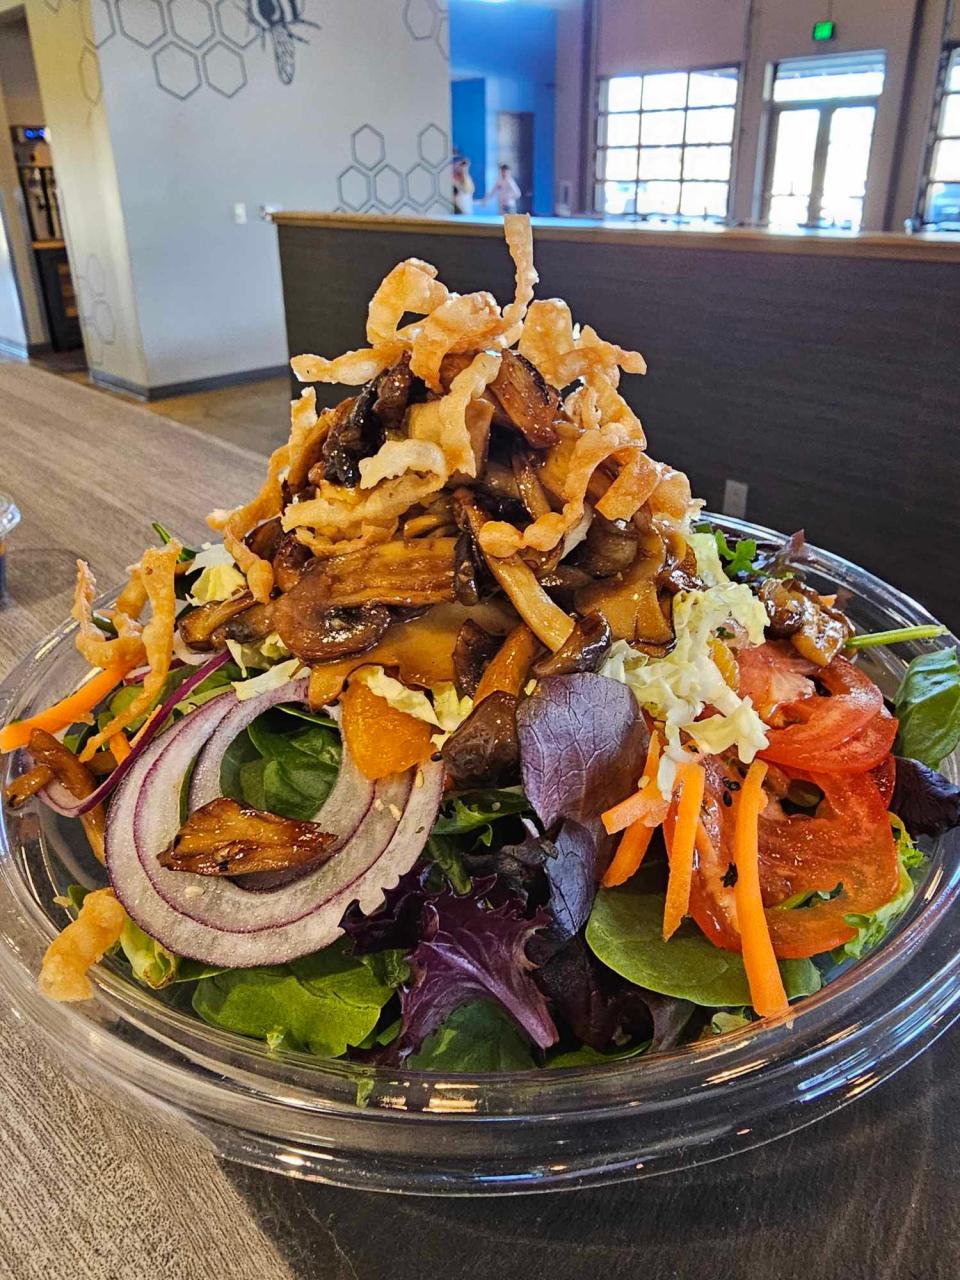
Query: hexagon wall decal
point(353, 184)
point(421, 18)
point(89, 68)
point(235, 24)
point(177, 70)
point(97, 22)
point(421, 186)
point(387, 187)
point(367, 146)
point(142, 21)
point(223, 70)
point(191, 21)
point(432, 145)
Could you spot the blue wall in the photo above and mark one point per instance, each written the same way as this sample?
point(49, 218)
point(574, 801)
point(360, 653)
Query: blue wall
point(512, 47)
point(470, 127)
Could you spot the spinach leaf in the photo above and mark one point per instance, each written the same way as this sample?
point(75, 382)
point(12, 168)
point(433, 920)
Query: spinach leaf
point(587, 1057)
point(625, 932)
point(927, 704)
point(475, 1037)
point(323, 1003)
point(290, 773)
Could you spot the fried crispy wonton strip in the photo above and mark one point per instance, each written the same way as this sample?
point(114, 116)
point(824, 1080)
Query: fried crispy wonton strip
point(63, 974)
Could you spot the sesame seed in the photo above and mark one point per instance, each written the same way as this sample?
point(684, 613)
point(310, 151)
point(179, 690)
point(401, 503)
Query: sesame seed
point(396, 813)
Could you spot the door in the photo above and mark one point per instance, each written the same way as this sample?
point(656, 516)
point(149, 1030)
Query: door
point(515, 148)
point(817, 171)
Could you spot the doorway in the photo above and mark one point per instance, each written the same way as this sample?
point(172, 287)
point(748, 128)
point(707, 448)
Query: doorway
point(515, 148)
point(36, 187)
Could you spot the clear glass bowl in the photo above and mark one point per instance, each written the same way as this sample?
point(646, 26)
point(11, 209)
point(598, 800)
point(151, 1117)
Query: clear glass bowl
point(461, 1134)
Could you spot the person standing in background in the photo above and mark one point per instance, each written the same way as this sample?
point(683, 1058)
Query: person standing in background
point(463, 186)
point(506, 191)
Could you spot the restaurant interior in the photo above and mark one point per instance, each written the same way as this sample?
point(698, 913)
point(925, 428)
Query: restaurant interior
point(763, 198)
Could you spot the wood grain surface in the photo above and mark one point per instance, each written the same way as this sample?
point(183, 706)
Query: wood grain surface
point(872, 1193)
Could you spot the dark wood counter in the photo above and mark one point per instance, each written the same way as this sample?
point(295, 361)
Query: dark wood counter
point(822, 371)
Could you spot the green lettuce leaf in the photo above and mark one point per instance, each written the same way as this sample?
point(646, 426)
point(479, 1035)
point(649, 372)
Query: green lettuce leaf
point(323, 1003)
point(475, 1037)
point(927, 704)
point(587, 1057)
point(624, 932)
point(476, 810)
point(725, 1020)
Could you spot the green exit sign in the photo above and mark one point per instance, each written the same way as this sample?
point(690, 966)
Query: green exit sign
point(824, 30)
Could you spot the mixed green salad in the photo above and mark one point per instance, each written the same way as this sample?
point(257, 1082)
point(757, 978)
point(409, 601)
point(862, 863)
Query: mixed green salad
point(468, 745)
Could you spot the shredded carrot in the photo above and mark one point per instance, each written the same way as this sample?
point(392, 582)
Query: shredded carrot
point(634, 844)
point(68, 710)
point(692, 785)
point(119, 746)
point(645, 802)
point(763, 974)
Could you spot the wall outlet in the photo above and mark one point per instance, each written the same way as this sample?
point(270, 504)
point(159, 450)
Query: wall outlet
point(240, 214)
point(265, 211)
point(735, 499)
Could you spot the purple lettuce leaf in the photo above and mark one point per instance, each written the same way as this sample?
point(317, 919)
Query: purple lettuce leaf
point(599, 1007)
point(471, 952)
point(927, 803)
point(396, 924)
point(572, 876)
point(582, 746)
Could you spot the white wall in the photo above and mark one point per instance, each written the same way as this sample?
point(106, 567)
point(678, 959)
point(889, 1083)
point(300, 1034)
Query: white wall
point(18, 80)
point(168, 114)
point(649, 35)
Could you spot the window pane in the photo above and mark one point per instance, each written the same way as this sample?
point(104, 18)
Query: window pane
point(943, 204)
point(661, 127)
point(810, 79)
point(660, 162)
point(950, 116)
point(706, 162)
point(787, 212)
point(619, 131)
point(713, 88)
point(619, 164)
point(666, 89)
point(704, 199)
point(845, 175)
point(658, 197)
point(953, 72)
point(796, 144)
point(616, 197)
point(710, 126)
point(623, 93)
point(946, 161)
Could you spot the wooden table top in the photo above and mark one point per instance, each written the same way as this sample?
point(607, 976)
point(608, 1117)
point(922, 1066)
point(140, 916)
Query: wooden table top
point(870, 1193)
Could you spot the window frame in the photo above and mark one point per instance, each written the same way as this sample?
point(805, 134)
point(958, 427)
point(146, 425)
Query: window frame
point(934, 136)
point(601, 114)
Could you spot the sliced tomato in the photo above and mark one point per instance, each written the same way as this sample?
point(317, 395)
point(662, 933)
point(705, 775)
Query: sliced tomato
point(823, 723)
point(847, 842)
point(885, 776)
point(772, 674)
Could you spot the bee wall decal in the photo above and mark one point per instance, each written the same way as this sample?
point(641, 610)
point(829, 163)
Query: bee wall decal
point(277, 19)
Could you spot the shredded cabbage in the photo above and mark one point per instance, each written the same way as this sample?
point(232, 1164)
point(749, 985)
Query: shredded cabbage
point(272, 678)
point(676, 688)
point(218, 582)
point(709, 566)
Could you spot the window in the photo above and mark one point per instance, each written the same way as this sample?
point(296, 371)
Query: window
point(665, 145)
point(941, 196)
point(823, 112)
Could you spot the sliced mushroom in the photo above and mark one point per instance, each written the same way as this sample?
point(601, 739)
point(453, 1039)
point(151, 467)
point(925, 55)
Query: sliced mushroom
point(583, 650)
point(465, 585)
point(395, 388)
point(629, 601)
point(526, 399)
point(562, 583)
point(264, 540)
point(417, 572)
point(485, 750)
point(318, 631)
point(225, 839)
point(197, 626)
point(356, 433)
point(289, 561)
point(817, 631)
point(249, 627)
point(473, 650)
point(528, 484)
point(610, 547)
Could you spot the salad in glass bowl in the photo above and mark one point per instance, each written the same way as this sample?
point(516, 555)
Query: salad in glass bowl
point(468, 744)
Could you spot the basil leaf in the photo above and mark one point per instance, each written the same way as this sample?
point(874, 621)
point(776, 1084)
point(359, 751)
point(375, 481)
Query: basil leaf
point(475, 1037)
point(625, 933)
point(927, 704)
point(322, 1003)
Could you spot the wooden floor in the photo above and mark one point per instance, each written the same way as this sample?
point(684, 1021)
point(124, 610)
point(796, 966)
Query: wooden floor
point(253, 415)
